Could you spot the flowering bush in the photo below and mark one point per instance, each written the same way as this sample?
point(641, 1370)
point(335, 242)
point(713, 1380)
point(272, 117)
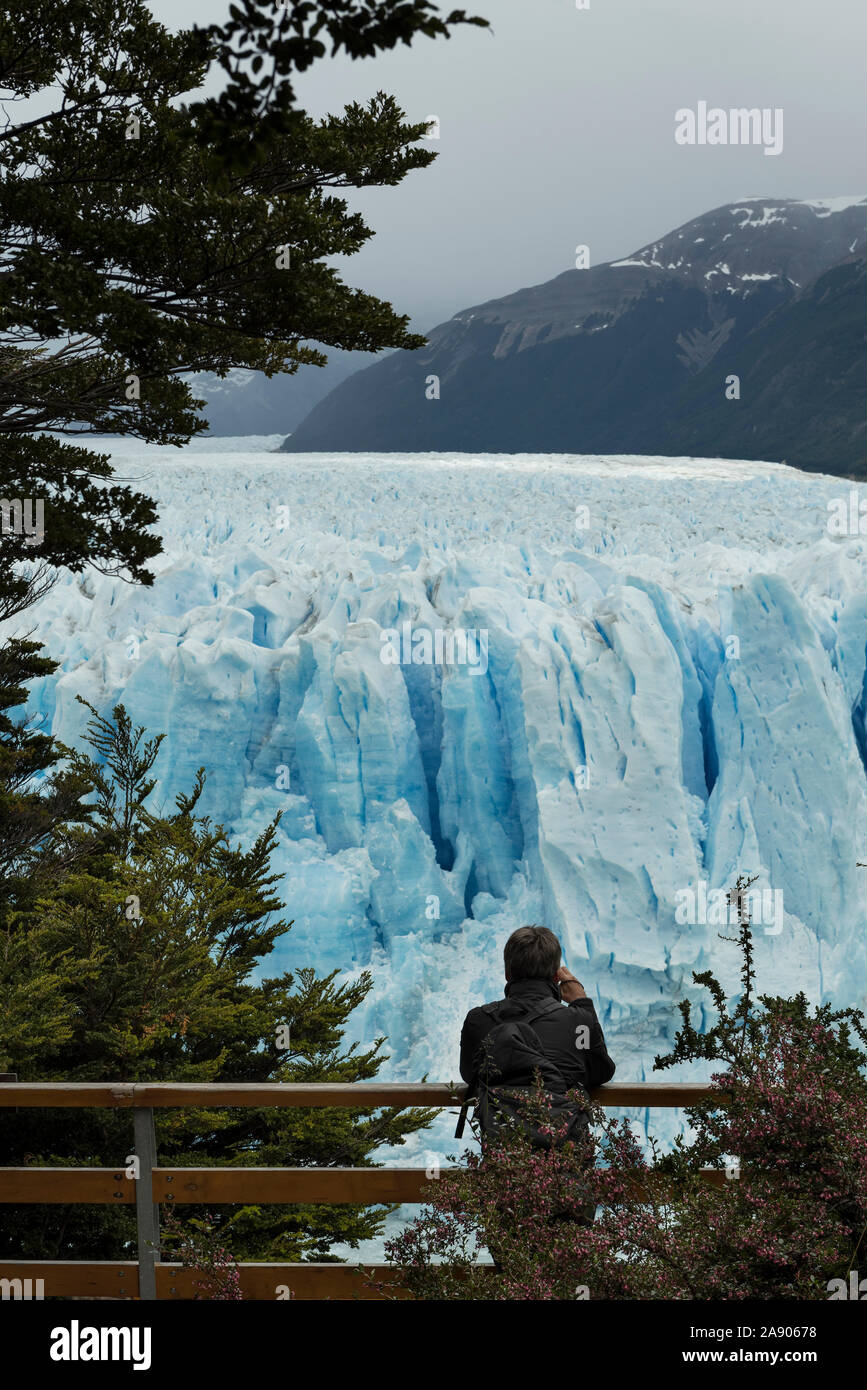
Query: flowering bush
point(197, 1247)
point(786, 1124)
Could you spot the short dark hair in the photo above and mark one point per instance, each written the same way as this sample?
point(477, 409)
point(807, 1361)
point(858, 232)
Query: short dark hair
point(532, 953)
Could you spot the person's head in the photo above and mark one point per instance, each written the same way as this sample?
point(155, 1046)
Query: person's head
point(531, 953)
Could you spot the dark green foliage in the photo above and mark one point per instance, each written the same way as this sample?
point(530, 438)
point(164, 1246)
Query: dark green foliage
point(144, 238)
point(126, 263)
point(259, 51)
point(137, 966)
point(160, 255)
point(87, 521)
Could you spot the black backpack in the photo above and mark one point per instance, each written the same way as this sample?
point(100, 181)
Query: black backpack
point(510, 1063)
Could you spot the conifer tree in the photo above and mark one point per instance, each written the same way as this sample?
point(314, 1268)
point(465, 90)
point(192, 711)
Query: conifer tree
point(147, 232)
point(137, 965)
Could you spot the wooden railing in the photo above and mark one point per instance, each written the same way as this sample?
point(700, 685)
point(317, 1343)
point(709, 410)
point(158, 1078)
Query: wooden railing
point(149, 1277)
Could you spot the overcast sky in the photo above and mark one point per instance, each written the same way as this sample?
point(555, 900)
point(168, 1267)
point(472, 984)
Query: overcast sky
point(557, 129)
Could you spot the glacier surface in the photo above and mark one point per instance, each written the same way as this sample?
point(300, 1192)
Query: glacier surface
point(673, 693)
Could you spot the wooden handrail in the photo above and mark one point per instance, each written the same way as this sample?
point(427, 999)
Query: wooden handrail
point(118, 1279)
point(213, 1186)
point(157, 1187)
point(358, 1094)
point(53, 1186)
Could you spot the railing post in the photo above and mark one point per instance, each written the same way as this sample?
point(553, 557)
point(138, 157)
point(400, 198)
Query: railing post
point(10, 1076)
point(147, 1212)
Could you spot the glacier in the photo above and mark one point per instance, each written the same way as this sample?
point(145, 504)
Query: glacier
point(674, 692)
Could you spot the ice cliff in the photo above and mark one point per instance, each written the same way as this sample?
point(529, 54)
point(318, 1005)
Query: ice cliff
point(674, 692)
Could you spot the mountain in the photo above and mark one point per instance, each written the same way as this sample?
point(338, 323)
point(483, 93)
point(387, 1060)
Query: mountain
point(632, 356)
point(804, 378)
point(246, 402)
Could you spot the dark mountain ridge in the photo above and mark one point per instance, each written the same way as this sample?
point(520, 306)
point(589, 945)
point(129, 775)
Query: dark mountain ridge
point(633, 356)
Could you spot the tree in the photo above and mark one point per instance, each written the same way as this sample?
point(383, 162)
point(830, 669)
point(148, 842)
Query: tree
point(137, 966)
point(142, 238)
point(145, 237)
point(82, 522)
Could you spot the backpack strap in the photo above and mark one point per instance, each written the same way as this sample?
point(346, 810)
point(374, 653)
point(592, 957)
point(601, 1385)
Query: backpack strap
point(462, 1118)
point(493, 1009)
point(548, 1008)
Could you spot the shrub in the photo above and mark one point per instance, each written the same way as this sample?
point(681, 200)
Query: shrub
point(198, 1246)
point(787, 1123)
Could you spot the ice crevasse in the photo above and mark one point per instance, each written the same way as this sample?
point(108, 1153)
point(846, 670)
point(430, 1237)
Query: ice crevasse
point(673, 693)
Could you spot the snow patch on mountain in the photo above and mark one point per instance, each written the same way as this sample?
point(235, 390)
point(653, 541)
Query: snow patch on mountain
point(828, 206)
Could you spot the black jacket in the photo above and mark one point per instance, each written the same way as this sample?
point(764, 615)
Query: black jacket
point(557, 1031)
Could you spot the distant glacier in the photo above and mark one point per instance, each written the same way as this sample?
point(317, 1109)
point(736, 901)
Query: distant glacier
point(673, 692)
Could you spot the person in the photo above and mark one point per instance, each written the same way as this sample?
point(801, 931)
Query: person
point(544, 1030)
point(564, 1020)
